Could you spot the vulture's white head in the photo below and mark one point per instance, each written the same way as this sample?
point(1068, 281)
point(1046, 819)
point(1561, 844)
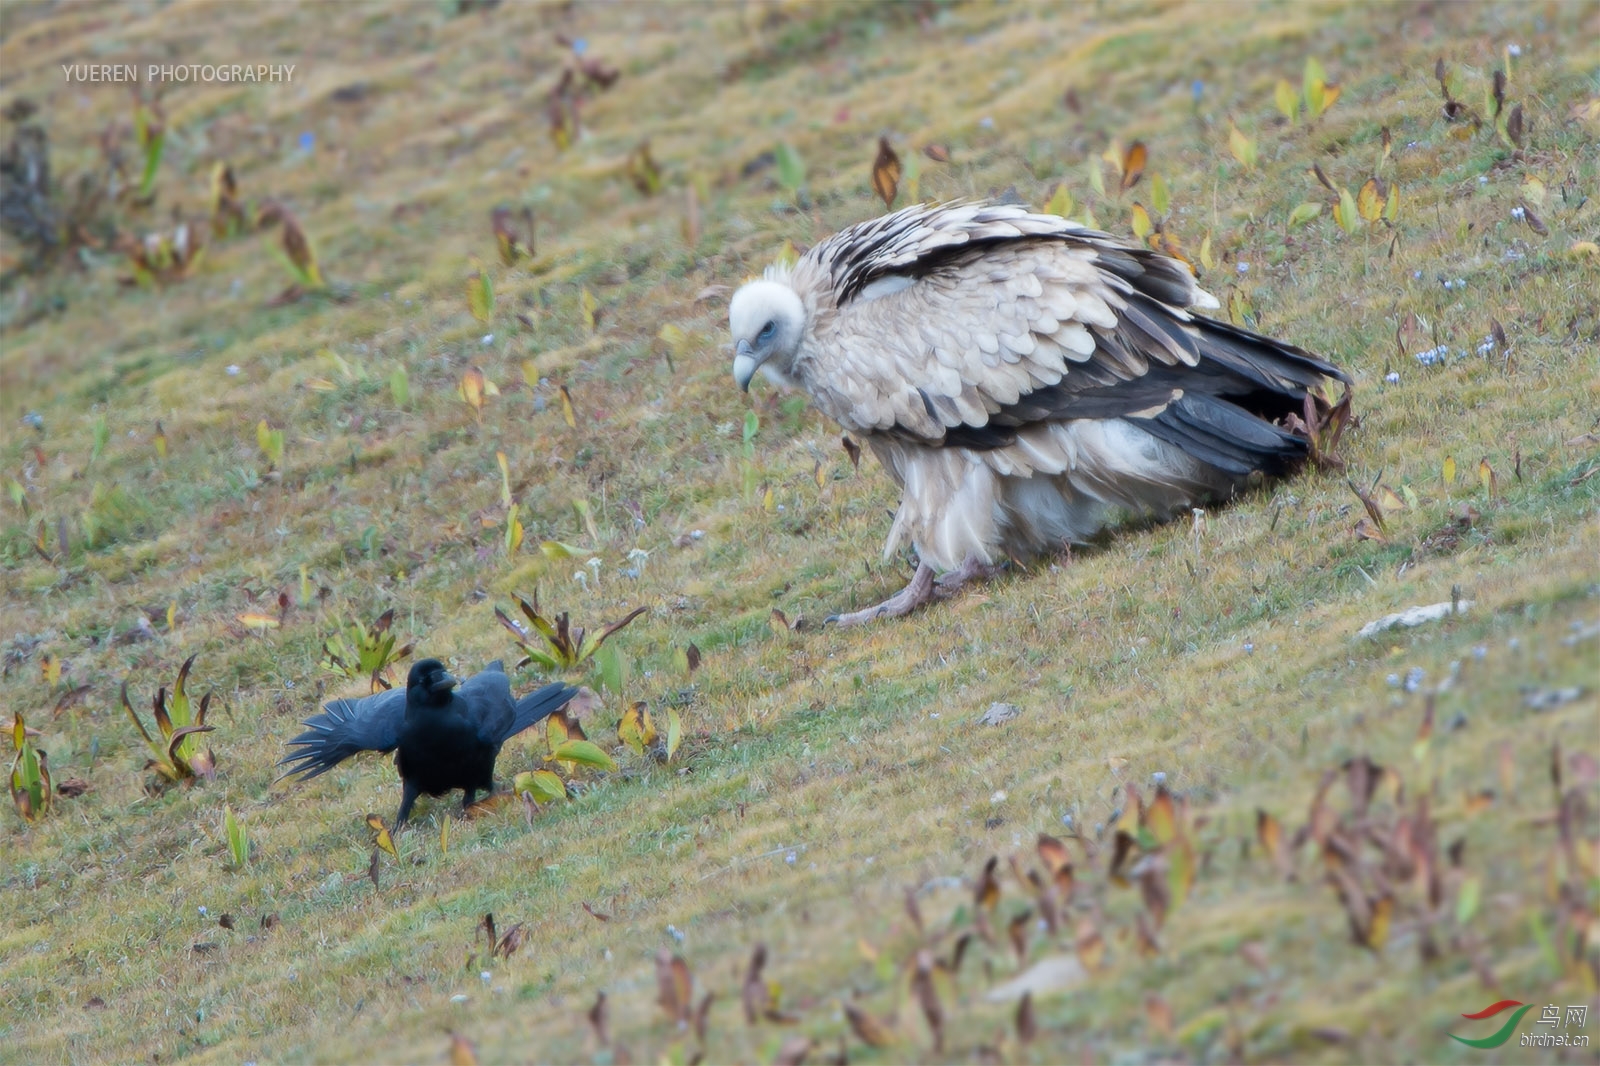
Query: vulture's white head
point(766, 318)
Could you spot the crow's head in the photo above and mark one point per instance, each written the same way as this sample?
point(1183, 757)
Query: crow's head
point(429, 684)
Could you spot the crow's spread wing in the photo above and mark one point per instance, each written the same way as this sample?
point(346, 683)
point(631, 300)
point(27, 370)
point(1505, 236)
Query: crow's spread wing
point(343, 729)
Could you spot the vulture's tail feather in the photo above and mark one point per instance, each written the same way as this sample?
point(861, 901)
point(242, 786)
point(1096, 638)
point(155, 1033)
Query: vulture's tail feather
point(1267, 363)
point(1225, 436)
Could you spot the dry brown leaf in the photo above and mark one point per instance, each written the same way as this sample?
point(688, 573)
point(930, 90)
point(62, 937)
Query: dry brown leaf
point(886, 173)
point(1133, 163)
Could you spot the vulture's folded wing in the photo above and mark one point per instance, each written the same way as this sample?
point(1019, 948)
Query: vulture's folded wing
point(961, 325)
point(344, 728)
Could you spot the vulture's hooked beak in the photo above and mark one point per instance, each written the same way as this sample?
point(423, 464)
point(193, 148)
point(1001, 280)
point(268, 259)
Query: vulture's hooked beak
point(442, 682)
point(744, 365)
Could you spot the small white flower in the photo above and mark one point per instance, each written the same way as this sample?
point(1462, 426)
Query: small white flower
point(1514, 49)
point(486, 976)
point(1244, 268)
point(233, 370)
point(488, 338)
point(582, 578)
point(1392, 377)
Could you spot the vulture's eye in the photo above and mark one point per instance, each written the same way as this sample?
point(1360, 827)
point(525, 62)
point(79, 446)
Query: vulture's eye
point(767, 331)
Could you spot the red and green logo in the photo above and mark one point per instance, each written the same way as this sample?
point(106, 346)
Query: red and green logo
point(1505, 1032)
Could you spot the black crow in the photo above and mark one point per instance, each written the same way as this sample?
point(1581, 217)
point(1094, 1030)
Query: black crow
point(447, 736)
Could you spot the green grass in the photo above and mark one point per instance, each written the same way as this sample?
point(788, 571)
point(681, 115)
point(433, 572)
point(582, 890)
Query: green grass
point(1231, 665)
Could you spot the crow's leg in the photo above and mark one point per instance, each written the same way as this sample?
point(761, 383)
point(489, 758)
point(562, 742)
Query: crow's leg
point(918, 592)
point(407, 798)
point(466, 799)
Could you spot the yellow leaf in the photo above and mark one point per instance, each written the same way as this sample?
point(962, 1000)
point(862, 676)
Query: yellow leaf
point(513, 531)
point(172, 615)
point(1139, 219)
point(636, 729)
point(1378, 931)
point(320, 385)
point(1449, 470)
point(1369, 201)
point(1391, 210)
point(1346, 214)
point(50, 668)
point(542, 785)
point(505, 479)
point(1242, 147)
point(1304, 213)
point(568, 414)
point(161, 442)
point(1160, 198)
point(818, 476)
point(1060, 202)
point(1239, 309)
point(1206, 259)
point(1288, 103)
point(444, 835)
point(1089, 219)
point(1589, 248)
point(674, 732)
point(587, 304)
point(1313, 86)
point(1097, 180)
point(383, 839)
point(471, 389)
point(1486, 478)
point(257, 620)
point(788, 255)
point(769, 503)
point(1330, 93)
point(1389, 500)
point(480, 295)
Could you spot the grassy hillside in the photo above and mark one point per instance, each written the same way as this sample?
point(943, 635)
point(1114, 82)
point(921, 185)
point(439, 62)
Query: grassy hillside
point(1286, 841)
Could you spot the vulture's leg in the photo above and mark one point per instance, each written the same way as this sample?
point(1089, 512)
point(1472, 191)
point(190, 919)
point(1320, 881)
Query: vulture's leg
point(973, 568)
point(914, 595)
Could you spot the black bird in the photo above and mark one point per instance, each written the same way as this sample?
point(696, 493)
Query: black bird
point(448, 737)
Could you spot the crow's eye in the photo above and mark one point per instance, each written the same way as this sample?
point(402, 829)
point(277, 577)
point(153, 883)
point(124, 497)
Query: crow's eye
point(767, 331)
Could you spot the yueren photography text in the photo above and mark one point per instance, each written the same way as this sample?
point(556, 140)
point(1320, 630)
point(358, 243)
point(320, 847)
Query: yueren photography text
point(770, 531)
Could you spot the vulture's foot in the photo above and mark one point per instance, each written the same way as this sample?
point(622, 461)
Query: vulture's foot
point(973, 569)
point(920, 591)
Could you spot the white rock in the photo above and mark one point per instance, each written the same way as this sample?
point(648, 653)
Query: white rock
point(1414, 616)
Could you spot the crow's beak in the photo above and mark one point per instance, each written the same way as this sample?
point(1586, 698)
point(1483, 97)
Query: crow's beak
point(744, 365)
point(442, 682)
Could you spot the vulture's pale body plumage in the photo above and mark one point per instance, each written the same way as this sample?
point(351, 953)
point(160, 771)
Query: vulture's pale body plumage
point(1023, 379)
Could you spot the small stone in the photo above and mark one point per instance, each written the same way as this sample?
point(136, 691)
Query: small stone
point(999, 713)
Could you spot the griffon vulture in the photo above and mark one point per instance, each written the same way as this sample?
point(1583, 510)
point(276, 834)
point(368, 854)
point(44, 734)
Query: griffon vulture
point(1023, 379)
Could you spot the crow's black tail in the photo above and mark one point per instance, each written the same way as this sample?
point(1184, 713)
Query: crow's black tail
point(539, 705)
